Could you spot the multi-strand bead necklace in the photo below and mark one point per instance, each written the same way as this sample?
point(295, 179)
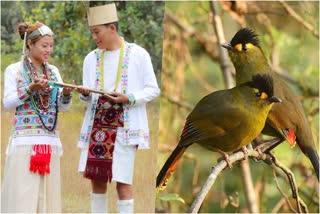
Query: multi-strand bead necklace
point(42, 99)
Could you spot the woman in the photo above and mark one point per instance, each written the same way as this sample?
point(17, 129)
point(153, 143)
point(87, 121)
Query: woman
point(31, 180)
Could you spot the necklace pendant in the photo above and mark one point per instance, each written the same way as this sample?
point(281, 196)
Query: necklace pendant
point(106, 105)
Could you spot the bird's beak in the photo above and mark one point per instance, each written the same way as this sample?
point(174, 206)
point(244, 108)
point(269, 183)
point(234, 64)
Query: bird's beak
point(275, 99)
point(227, 45)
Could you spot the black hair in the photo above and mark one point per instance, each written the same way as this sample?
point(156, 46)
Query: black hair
point(245, 36)
point(115, 24)
point(263, 82)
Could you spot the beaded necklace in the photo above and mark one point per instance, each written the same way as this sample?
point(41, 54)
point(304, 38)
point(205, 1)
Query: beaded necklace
point(43, 98)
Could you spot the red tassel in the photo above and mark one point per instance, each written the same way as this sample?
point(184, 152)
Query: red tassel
point(40, 159)
point(100, 170)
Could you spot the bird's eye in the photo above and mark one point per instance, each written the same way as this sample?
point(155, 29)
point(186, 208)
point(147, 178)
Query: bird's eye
point(258, 94)
point(244, 48)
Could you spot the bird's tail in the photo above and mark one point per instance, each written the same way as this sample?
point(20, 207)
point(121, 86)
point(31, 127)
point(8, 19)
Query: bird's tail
point(314, 158)
point(169, 167)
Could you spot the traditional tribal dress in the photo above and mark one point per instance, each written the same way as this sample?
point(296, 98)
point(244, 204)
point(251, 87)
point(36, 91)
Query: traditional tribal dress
point(138, 81)
point(107, 119)
point(32, 172)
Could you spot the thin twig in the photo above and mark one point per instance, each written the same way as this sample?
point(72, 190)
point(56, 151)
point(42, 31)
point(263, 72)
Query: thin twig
point(207, 42)
point(278, 205)
point(223, 55)
point(282, 193)
point(177, 102)
point(299, 19)
point(293, 184)
point(196, 204)
point(250, 194)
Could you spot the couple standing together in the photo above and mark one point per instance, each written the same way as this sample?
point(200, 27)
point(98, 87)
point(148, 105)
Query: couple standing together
point(114, 127)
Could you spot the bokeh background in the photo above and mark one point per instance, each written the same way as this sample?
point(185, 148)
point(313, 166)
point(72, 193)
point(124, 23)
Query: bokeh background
point(72, 43)
point(191, 70)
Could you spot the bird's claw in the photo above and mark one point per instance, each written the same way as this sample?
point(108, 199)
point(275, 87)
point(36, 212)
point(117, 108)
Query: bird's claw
point(261, 155)
point(245, 152)
point(225, 157)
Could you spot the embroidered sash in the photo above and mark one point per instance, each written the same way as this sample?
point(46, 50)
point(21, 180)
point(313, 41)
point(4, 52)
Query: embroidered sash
point(102, 139)
point(85, 135)
point(107, 118)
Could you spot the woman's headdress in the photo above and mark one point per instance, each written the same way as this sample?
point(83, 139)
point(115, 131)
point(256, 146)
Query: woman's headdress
point(24, 41)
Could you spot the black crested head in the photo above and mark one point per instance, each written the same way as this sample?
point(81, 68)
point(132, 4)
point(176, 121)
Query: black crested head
point(263, 82)
point(245, 36)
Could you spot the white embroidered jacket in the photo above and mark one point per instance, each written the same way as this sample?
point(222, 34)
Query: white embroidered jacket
point(27, 128)
point(142, 84)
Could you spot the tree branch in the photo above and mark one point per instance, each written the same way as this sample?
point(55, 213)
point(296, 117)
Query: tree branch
point(282, 193)
point(223, 54)
point(196, 204)
point(293, 184)
point(207, 42)
point(299, 19)
point(250, 194)
point(177, 102)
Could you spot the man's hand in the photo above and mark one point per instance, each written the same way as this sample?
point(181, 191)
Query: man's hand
point(117, 97)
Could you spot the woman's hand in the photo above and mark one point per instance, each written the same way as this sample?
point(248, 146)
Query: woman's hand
point(38, 84)
point(117, 97)
point(67, 90)
point(80, 89)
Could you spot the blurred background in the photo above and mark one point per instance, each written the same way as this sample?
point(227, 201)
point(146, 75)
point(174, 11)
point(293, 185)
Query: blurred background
point(73, 42)
point(289, 37)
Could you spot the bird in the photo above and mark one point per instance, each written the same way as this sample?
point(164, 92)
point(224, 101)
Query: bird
point(224, 121)
point(286, 121)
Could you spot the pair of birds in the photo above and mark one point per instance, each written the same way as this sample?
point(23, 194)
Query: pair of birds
point(227, 120)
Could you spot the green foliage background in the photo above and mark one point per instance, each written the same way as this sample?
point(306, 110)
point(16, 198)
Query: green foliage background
point(73, 40)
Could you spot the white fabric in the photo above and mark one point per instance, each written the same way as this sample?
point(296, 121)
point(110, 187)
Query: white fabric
point(142, 84)
point(26, 192)
point(126, 206)
point(99, 203)
point(11, 101)
point(122, 163)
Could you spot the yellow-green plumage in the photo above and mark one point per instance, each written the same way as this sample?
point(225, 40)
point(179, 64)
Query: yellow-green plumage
point(249, 60)
point(222, 120)
point(226, 120)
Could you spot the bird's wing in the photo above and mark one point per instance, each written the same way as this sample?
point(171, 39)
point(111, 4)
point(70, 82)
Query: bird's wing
point(215, 115)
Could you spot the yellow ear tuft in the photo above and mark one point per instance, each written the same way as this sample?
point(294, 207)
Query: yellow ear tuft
point(249, 46)
point(264, 95)
point(238, 47)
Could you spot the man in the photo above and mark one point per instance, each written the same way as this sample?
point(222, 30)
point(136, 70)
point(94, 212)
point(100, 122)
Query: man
point(116, 124)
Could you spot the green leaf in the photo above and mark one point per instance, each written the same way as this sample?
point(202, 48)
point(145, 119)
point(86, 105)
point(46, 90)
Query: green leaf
point(171, 197)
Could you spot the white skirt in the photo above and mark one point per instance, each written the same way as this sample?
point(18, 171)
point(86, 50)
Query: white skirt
point(28, 192)
point(122, 162)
